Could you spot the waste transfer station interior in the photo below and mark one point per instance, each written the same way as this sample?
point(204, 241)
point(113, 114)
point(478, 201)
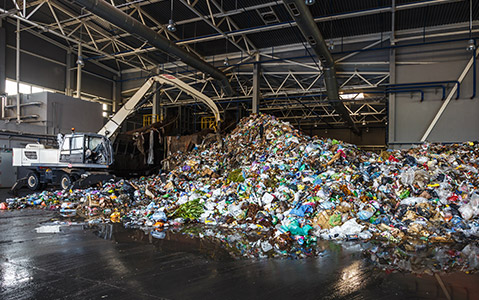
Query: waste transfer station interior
point(240, 149)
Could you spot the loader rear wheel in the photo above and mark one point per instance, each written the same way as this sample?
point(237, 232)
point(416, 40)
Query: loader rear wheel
point(65, 181)
point(33, 181)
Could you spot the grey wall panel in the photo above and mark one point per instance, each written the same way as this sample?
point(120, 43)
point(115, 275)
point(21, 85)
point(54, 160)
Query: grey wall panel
point(38, 109)
point(131, 81)
point(66, 112)
point(8, 173)
point(94, 85)
point(89, 66)
point(34, 44)
point(440, 62)
point(375, 136)
point(36, 71)
point(24, 127)
point(57, 113)
point(10, 63)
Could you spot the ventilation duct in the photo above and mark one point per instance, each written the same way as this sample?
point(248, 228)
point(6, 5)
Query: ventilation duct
point(302, 15)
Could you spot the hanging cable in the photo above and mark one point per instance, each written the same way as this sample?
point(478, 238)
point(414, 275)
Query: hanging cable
point(171, 24)
point(470, 18)
point(300, 38)
point(471, 45)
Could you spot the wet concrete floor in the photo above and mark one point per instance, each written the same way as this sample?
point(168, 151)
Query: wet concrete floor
point(119, 264)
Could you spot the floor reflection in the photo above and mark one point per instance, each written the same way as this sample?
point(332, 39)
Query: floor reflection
point(224, 243)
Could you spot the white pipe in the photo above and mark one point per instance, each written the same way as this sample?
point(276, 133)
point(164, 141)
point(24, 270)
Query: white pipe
point(68, 74)
point(79, 67)
point(17, 70)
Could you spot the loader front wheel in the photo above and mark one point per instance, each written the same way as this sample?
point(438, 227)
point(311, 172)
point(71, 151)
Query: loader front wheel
point(33, 181)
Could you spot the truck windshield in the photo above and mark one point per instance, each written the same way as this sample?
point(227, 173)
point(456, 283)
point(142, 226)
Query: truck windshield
point(94, 142)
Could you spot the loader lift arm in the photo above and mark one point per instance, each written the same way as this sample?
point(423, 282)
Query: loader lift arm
point(85, 158)
point(115, 122)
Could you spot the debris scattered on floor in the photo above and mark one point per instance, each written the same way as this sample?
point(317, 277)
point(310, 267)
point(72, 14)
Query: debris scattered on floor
point(269, 180)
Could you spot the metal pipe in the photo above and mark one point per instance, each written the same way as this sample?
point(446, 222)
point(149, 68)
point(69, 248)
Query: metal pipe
point(408, 91)
point(129, 24)
point(415, 84)
point(397, 92)
point(305, 22)
point(17, 71)
point(423, 87)
point(79, 67)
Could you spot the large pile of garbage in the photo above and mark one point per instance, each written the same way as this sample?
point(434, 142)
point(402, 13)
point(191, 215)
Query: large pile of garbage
point(269, 180)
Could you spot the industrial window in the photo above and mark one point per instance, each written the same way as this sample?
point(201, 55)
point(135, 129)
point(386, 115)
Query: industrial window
point(25, 88)
point(354, 96)
point(105, 110)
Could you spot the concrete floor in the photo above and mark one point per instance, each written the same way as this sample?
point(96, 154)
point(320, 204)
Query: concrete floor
point(76, 263)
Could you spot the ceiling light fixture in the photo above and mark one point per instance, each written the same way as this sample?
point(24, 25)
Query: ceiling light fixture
point(471, 46)
point(331, 45)
point(309, 2)
point(171, 26)
point(80, 61)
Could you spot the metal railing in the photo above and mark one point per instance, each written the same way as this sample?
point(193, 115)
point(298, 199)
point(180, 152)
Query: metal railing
point(208, 122)
point(150, 119)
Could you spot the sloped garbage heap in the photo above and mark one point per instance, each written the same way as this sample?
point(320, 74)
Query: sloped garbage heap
point(268, 190)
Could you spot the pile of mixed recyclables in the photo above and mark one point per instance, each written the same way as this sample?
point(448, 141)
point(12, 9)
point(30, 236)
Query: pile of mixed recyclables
point(267, 190)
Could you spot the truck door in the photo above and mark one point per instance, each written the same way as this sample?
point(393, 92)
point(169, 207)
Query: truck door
point(72, 149)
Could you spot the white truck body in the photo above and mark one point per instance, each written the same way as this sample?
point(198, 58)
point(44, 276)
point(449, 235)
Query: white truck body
point(34, 154)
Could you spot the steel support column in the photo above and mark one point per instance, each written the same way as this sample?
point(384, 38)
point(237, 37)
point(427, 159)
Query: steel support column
point(156, 99)
point(392, 79)
point(115, 98)
point(256, 84)
point(17, 70)
point(3, 49)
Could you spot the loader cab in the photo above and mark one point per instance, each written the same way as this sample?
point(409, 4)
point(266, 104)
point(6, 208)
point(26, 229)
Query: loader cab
point(86, 149)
